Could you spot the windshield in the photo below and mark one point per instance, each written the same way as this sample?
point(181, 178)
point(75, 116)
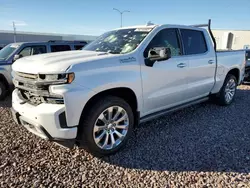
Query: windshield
point(119, 41)
point(7, 51)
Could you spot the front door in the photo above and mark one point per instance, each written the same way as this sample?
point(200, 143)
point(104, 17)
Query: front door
point(165, 83)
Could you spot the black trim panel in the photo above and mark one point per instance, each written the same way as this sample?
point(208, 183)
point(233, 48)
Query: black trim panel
point(166, 111)
point(62, 120)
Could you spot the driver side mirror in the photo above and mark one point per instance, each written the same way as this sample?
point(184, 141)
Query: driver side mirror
point(157, 54)
point(16, 57)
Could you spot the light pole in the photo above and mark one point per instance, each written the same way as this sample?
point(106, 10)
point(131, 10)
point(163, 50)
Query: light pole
point(121, 13)
point(14, 27)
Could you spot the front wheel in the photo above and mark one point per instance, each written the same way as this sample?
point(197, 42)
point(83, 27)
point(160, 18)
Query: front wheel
point(228, 90)
point(107, 126)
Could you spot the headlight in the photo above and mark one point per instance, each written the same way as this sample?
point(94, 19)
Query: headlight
point(66, 78)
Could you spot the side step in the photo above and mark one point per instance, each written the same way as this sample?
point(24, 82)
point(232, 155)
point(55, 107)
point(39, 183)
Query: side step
point(169, 110)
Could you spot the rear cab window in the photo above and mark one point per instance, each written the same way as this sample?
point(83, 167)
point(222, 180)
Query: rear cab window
point(193, 41)
point(60, 48)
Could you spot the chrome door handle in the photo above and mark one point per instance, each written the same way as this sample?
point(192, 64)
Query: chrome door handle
point(210, 61)
point(181, 65)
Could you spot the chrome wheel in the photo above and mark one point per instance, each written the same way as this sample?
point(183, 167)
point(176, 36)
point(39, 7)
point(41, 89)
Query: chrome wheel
point(230, 90)
point(111, 127)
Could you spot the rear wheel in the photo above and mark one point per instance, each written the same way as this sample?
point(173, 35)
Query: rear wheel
point(107, 126)
point(3, 90)
point(228, 90)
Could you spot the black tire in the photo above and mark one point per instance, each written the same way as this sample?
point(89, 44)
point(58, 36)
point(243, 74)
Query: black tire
point(221, 98)
point(3, 90)
point(88, 120)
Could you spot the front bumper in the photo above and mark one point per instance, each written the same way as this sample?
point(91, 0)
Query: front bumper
point(44, 120)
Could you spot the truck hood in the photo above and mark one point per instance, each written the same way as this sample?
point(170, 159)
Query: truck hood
point(56, 62)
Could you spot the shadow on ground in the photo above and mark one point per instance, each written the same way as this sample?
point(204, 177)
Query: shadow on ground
point(6, 103)
point(205, 137)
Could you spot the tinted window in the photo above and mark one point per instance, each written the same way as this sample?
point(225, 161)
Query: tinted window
point(38, 50)
point(78, 47)
point(193, 41)
point(32, 50)
point(60, 48)
point(248, 55)
point(25, 52)
point(165, 38)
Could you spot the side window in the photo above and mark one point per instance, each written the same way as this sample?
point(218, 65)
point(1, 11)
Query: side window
point(32, 50)
point(78, 47)
point(165, 38)
point(38, 50)
point(193, 41)
point(60, 48)
point(25, 52)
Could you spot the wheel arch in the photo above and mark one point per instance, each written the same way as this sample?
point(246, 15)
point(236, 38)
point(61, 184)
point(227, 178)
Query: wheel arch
point(123, 92)
point(235, 72)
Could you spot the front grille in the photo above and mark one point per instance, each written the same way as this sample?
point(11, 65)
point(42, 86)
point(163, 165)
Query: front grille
point(34, 92)
point(36, 99)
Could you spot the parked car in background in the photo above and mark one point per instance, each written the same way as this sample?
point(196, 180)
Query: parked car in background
point(14, 51)
point(126, 76)
point(247, 71)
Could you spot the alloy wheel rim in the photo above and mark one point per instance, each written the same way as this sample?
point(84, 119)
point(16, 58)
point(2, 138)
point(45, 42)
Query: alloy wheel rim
point(230, 90)
point(111, 127)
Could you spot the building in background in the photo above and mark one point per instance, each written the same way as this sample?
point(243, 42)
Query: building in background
point(232, 39)
point(226, 39)
point(7, 37)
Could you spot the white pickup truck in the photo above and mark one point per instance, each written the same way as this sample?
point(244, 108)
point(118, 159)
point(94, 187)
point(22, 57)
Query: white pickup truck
point(127, 76)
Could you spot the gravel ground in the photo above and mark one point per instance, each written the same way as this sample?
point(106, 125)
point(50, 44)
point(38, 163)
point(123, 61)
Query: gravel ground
point(201, 146)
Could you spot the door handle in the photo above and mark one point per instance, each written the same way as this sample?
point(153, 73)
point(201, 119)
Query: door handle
point(181, 65)
point(210, 61)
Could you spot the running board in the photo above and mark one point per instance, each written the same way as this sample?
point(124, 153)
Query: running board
point(169, 110)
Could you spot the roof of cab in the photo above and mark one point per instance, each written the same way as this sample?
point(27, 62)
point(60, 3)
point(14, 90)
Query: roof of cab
point(160, 25)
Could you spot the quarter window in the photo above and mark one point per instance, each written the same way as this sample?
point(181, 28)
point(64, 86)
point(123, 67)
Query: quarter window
point(193, 41)
point(165, 38)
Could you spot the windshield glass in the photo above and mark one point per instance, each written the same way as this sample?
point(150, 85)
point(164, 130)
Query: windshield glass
point(7, 51)
point(119, 41)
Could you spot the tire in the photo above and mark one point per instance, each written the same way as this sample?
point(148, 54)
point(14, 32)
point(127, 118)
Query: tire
point(221, 97)
point(3, 90)
point(88, 129)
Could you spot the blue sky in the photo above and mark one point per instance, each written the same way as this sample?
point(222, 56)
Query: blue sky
point(97, 16)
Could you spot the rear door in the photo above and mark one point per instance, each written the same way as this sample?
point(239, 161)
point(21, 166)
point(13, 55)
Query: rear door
point(202, 63)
